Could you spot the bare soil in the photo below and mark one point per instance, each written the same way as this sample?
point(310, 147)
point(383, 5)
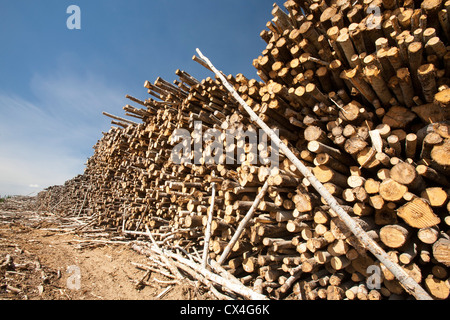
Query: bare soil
point(39, 263)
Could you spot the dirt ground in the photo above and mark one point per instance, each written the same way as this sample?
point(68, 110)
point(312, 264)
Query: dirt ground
point(39, 262)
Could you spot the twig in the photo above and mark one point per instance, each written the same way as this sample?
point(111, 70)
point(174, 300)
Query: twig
point(166, 281)
point(85, 226)
point(208, 225)
point(62, 199)
point(140, 283)
point(244, 222)
point(318, 61)
point(98, 241)
point(149, 268)
point(184, 251)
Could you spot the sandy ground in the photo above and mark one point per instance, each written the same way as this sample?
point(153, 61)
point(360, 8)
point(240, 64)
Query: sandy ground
point(38, 263)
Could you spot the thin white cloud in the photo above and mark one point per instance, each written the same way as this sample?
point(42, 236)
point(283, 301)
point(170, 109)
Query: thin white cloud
point(47, 141)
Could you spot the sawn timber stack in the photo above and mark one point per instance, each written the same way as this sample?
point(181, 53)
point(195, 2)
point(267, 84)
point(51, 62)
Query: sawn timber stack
point(360, 92)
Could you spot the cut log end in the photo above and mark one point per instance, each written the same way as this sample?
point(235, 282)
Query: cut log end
point(418, 214)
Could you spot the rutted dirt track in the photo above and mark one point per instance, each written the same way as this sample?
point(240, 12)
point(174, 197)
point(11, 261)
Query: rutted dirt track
point(40, 260)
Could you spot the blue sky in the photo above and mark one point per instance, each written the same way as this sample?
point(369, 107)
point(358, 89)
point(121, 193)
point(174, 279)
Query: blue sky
point(55, 82)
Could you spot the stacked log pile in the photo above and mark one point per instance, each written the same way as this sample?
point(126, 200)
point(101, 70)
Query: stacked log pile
point(69, 199)
point(368, 91)
point(360, 93)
